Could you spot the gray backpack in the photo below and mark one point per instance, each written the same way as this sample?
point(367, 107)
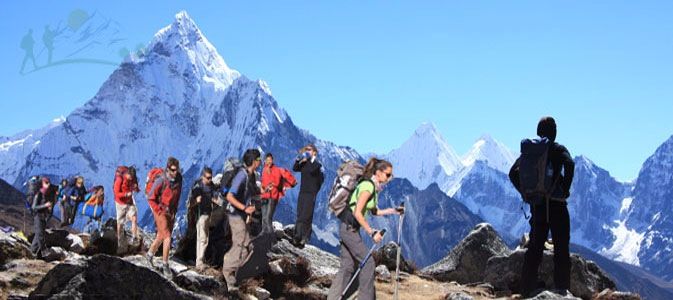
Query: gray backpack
point(349, 175)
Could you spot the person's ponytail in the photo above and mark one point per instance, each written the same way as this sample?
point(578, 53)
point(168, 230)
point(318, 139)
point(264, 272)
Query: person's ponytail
point(374, 164)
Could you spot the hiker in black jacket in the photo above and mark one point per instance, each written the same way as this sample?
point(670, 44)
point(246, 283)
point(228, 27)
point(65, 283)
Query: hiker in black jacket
point(312, 178)
point(548, 214)
point(43, 203)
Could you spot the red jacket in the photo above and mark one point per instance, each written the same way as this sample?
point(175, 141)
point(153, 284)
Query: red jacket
point(278, 179)
point(122, 187)
point(165, 195)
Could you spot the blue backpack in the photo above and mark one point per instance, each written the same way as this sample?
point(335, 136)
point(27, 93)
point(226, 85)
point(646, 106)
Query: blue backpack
point(536, 173)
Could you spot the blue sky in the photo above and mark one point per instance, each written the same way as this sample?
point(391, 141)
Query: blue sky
point(604, 69)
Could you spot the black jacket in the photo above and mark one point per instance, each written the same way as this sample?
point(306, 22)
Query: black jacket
point(561, 160)
point(311, 175)
point(206, 192)
point(39, 205)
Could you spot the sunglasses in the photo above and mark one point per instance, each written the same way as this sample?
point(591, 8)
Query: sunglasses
point(388, 175)
point(173, 170)
point(209, 177)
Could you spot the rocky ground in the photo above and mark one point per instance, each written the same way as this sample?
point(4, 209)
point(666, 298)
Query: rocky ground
point(92, 266)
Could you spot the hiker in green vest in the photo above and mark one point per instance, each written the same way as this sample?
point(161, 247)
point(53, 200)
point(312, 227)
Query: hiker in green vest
point(363, 201)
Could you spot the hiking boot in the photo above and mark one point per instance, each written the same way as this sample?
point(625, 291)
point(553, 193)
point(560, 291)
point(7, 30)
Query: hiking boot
point(167, 271)
point(149, 257)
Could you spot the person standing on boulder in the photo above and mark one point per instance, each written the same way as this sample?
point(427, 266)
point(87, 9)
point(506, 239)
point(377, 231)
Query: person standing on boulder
point(164, 196)
point(363, 201)
point(312, 178)
point(240, 207)
point(42, 205)
point(274, 182)
point(548, 211)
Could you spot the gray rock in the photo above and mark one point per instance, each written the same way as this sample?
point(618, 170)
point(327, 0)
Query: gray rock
point(586, 278)
point(387, 255)
point(109, 276)
point(614, 295)
point(549, 295)
point(54, 254)
point(20, 276)
point(13, 247)
point(466, 262)
point(383, 274)
point(262, 294)
point(458, 296)
point(321, 262)
point(195, 282)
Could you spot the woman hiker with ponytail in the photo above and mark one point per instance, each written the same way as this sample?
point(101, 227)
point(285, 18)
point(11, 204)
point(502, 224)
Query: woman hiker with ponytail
point(364, 200)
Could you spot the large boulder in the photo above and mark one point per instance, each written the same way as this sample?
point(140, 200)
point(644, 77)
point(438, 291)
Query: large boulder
point(586, 278)
point(13, 247)
point(108, 277)
point(466, 262)
point(387, 256)
point(104, 240)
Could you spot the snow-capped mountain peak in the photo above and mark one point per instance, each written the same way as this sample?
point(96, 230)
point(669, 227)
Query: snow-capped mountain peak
point(496, 154)
point(188, 51)
point(425, 157)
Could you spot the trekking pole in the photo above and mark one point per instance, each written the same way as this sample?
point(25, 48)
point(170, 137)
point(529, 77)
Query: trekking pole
point(362, 265)
point(399, 251)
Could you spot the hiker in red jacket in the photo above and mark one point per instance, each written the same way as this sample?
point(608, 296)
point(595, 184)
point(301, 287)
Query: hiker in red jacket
point(275, 181)
point(164, 196)
point(125, 184)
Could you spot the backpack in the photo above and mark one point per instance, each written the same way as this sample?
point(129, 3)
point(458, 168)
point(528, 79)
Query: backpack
point(119, 173)
point(536, 173)
point(152, 176)
point(349, 175)
point(93, 206)
point(33, 186)
point(231, 167)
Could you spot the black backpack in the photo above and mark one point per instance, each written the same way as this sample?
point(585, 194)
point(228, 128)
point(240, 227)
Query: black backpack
point(231, 167)
point(536, 173)
point(33, 186)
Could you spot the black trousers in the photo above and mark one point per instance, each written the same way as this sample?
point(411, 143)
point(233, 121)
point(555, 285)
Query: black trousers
point(38, 244)
point(305, 206)
point(559, 224)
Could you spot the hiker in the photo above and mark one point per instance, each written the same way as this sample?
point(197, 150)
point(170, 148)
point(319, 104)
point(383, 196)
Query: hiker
point(125, 184)
point(275, 181)
point(93, 205)
point(63, 203)
point(163, 194)
point(549, 210)
point(240, 208)
point(202, 194)
point(43, 203)
point(312, 178)
point(75, 195)
point(363, 201)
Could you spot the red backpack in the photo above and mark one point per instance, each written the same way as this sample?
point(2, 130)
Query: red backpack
point(151, 178)
point(119, 173)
